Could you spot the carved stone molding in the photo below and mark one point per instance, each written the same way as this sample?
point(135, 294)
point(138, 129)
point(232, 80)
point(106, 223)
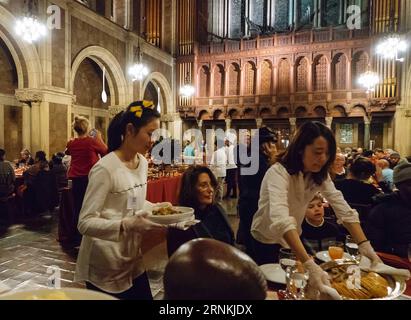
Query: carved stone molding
point(170, 117)
point(328, 121)
point(228, 123)
point(293, 121)
point(28, 96)
point(113, 110)
point(259, 122)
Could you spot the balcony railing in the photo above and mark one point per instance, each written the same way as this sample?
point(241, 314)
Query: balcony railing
point(295, 38)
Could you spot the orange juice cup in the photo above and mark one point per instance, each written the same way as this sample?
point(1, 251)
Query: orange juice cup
point(336, 250)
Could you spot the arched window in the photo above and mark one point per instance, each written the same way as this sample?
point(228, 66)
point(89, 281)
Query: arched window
point(283, 76)
point(266, 72)
point(339, 72)
point(320, 74)
point(358, 66)
point(250, 74)
point(234, 79)
point(302, 74)
point(204, 81)
point(219, 81)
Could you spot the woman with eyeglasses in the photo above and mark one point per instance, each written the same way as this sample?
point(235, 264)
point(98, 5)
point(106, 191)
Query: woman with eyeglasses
point(112, 219)
point(197, 191)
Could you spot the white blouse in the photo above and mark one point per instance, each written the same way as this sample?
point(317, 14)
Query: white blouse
point(284, 199)
point(109, 259)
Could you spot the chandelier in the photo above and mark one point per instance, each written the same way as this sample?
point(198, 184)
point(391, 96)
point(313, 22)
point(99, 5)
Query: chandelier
point(369, 80)
point(29, 27)
point(391, 47)
point(138, 71)
point(187, 90)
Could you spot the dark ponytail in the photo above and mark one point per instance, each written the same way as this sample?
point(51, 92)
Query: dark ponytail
point(138, 113)
point(115, 132)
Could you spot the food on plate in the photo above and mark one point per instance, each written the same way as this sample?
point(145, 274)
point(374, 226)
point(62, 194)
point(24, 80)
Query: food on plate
point(165, 211)
point(371, 284)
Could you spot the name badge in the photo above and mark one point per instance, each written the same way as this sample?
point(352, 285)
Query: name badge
point(132, 203)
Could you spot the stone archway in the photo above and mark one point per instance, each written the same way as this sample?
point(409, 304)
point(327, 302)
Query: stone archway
point(165, 90)
point(25, 55)
point(115, 76)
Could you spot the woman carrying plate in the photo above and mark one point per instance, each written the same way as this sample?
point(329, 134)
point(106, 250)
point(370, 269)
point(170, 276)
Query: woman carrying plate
point(112, 220)
point(288, 187)
point(198, 192)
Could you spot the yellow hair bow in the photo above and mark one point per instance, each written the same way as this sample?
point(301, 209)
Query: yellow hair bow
point(138, 110)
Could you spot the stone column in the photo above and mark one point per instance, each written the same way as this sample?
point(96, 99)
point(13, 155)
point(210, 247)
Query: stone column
point(26, 126)
point(226, 82)
point(212, 74)
point(275, 80)
point(349, 75)
point(31, 100)
point(293, 125)
point(328, 121)
point(44, 109)
point(310, 87)
point(164, 125)
point(242, 80)
point(259, 122)
point(227, 124)
point(35, 135)
point(177, 127)
point(292, 78)
point(329, 77)
point(258, 79)
point(367, 122)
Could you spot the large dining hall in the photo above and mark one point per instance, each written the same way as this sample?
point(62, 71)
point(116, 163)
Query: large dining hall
point(186, 150)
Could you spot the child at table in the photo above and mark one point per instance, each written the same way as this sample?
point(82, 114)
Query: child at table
point(316, 231)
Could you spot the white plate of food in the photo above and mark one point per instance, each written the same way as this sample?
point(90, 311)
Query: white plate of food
point(325, 257)
point(371, 285)
point(273, 272)
point(56, 294)
point(169, 215)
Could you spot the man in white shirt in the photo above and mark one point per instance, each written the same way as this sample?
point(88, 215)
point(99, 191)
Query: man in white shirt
point(218, 166)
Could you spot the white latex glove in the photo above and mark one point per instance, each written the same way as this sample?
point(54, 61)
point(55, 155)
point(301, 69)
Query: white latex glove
point(139, 223)
point(319, 280)
point(367, 250)
point(163, 204)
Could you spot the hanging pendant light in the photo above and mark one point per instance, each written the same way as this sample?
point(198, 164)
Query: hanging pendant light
point(138, 71)
point(369, 80)
point(104, 93)
point(187, 90)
